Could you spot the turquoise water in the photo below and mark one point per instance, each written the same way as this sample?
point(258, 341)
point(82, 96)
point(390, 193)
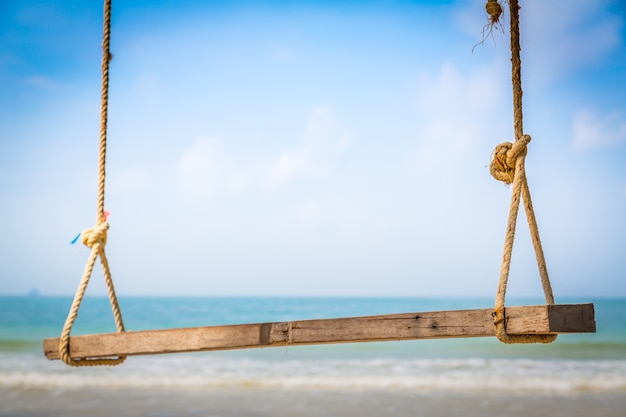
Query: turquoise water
point(25, 321)
point(573, 364)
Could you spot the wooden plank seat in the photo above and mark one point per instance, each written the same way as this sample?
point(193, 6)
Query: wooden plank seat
point(542, 319)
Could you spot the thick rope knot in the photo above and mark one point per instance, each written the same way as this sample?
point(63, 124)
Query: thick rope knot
point(96, 234)
point(504, 159)
point(494, 10)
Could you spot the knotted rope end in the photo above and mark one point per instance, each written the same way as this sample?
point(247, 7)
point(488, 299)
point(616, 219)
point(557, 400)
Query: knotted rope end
point(494, 12)
point(95, 234)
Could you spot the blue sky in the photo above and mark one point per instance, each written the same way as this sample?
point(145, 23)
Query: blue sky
point(310, 148)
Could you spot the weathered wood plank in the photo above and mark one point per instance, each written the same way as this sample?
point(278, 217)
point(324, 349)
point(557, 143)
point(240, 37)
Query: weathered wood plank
point(544, 319)
point(571, 318)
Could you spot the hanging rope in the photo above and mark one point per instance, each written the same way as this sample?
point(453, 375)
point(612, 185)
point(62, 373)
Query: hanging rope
point(507, 165)
point(95, 237)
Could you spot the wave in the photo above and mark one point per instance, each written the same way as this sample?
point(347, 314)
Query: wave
point(18, 345)
point(512, 376)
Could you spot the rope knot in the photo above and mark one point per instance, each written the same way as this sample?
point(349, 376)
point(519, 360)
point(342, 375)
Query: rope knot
point(94, 235)
point(504, 159)
point(494, 10)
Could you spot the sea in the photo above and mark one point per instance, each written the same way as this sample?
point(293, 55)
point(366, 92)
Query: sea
point(577, 375)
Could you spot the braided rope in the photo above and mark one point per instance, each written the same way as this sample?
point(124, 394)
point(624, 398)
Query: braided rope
point(508, 165)
point(96, 237)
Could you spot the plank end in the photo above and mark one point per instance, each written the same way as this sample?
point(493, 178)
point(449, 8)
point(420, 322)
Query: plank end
point(572, 318)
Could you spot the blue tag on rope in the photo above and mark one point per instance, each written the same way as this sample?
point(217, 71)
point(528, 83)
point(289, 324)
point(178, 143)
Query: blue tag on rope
point(75, 239)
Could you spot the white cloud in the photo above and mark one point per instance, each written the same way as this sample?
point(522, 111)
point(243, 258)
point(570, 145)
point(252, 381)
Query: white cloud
point(592, 130)
point(459, 114)
point(345, 141)
point(297, 163)
point(339, 213)
point(205, 169)
point(324, 139)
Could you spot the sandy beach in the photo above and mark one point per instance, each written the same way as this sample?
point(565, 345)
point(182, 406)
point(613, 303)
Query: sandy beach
point(305, 403)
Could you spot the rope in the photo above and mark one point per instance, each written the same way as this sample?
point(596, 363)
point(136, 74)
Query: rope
point(95, 237)
point(507, 165)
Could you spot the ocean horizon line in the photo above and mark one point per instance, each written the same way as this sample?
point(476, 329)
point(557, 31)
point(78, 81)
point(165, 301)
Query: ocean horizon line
point(537, 298)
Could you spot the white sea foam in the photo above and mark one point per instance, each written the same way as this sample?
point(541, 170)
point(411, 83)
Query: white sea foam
point(206, 372)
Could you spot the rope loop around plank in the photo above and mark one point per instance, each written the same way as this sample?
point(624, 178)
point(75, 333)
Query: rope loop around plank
point(508, 165)
point(95, 237)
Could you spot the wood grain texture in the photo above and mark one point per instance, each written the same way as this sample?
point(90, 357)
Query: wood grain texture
point(543, 319)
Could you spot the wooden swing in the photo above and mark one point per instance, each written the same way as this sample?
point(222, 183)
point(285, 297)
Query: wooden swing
point(524, 324)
